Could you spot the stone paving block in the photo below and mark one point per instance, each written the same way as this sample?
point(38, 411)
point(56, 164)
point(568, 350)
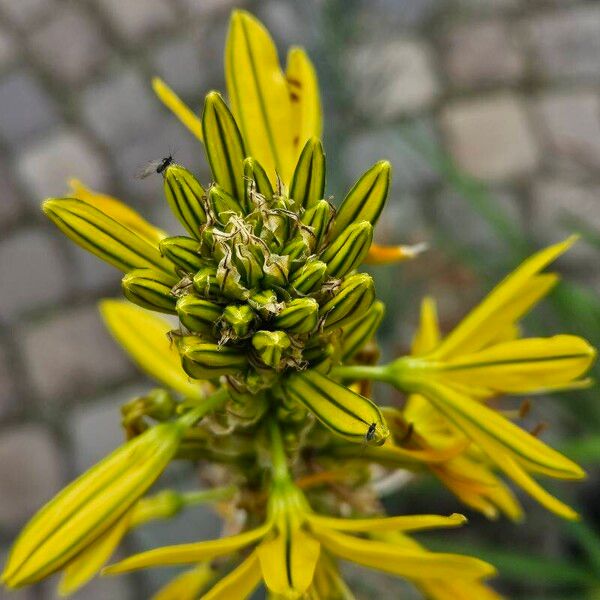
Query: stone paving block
point(389, 15)
point(121, 108)
point(92, 274)
point(24, 13)
point(31, 472)
point(210, 9)
point(134, 20)
point(100, 588)
point(491, 137)
point(95, 427)
point(31, 272)
point(71, 355)
point(566, 43)
point(8, 49)
point(12, 203)
point(8, 400)
point(27, 109)
point(391, 79)
point(179, 62)
point(46, 165)
point(70, 45)
point(479, 54)
point(571, 121)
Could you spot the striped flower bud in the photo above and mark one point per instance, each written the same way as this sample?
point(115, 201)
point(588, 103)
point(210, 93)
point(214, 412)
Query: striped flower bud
point(222, 205)
point(358, 333)
point(276, 270)
point(299, 316)
point(249, 262)
point(349, 249)
point(257, 181)
point(91, 505)
point(230, 281)
point(353, 298)
point(308, 182)
point(183, 252)
point(185, 196)
point(207, 361)
point(309, 276)
point(205, 282)
point(198, 315)
point(319, 218)
point(271, 346)
point(298, 248)
point(238, 320)
point(149, 289)
point(265, 303)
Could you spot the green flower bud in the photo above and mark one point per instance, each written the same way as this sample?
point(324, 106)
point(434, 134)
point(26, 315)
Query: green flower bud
point(301, 315)
point(276, 270)
point(205, 282)
point(238, 320)
point(271, 346)
point(298, 248)
point(319, 218)
point(186, 198)
point(265, 303)
point(222, 205)
point(183, 252)
point(357, 333)
point(308, 182)
point(229, 280)
point(249, 264)
point(207, 361)
point(354, 297)
point(197, 314)
point(349, 249)
point(149, 289)
point(247, 408)
point(309, 276)
point(257, 181)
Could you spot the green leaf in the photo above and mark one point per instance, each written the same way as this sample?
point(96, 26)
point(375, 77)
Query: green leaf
point(308, 182)
point(366, 199)
point(224, 146)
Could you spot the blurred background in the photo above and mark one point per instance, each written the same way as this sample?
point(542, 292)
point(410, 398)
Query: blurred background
point(489, 111)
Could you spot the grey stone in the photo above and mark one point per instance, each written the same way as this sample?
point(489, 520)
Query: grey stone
point(491, 137)
point(8, 50)
point(30, 470)
point(482, 54)
point(180, 63)
point(11, 204)
point(31, 272)
point(392, 79)
point(93, 274)
point(571, 122)
point(7, 389)
point(46, 165)
point(70, 46)
point(26, 108)
point(71, 355)
point(100, 588)
point(121, 108)
point(210, 9)
point(133, 20)
point(96, 427)
point(389, 15)
point(24, 13)
point(566, 43)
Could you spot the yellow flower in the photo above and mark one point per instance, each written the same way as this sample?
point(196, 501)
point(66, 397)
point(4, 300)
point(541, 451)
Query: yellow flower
point(452, 378)
point(288, 547)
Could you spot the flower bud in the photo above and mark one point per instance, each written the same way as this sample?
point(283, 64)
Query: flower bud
point(349, 249)
point(249, 264)
point(357, 333)
point(353, 298)
point(257, 181)
point(149, 289)
point(265, 303)
point(229, 280)
point(238, 320)
point(308, 182)
point(309, 276)
point(301, 315)
point(271, 346)
point(222, 205)
point(276, 270)
point(299, 247)
point(207, 361)
point(205, 282)
point(197, 314)
point(183, 252)
point(186, 197)
point(91, 505)
point(319, 218)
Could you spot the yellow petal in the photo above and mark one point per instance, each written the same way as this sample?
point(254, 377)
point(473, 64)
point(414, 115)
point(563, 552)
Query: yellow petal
point(88, 562)
point(172, 101)
point(144, 337)
point(303, 87)
point(187, 585)
point(457, 590)
point(385, 255)
point(238, 584)
point(403, 523)
point(118, 211)
point(258, 91)
point(409, 563)
point(428, 334)
point(491, 432)
point(288, 562)
point(188, 553)
point(90, 505)
point(467, 332)
point(523, 365)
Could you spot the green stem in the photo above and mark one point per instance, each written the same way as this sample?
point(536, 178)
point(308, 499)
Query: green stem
point(279, 468)
point(356, 372)
point(214, 495)
point(209, 404)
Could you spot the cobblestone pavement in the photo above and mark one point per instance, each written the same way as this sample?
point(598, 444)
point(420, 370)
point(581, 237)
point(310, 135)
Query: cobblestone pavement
point(509, 87)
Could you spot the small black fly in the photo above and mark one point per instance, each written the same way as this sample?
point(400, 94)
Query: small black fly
point(370, 435)
point(156, 166)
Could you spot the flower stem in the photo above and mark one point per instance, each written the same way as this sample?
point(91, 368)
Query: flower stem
point(209, 404)
point(214, 495)
point(279, 468)
point(372, 373)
